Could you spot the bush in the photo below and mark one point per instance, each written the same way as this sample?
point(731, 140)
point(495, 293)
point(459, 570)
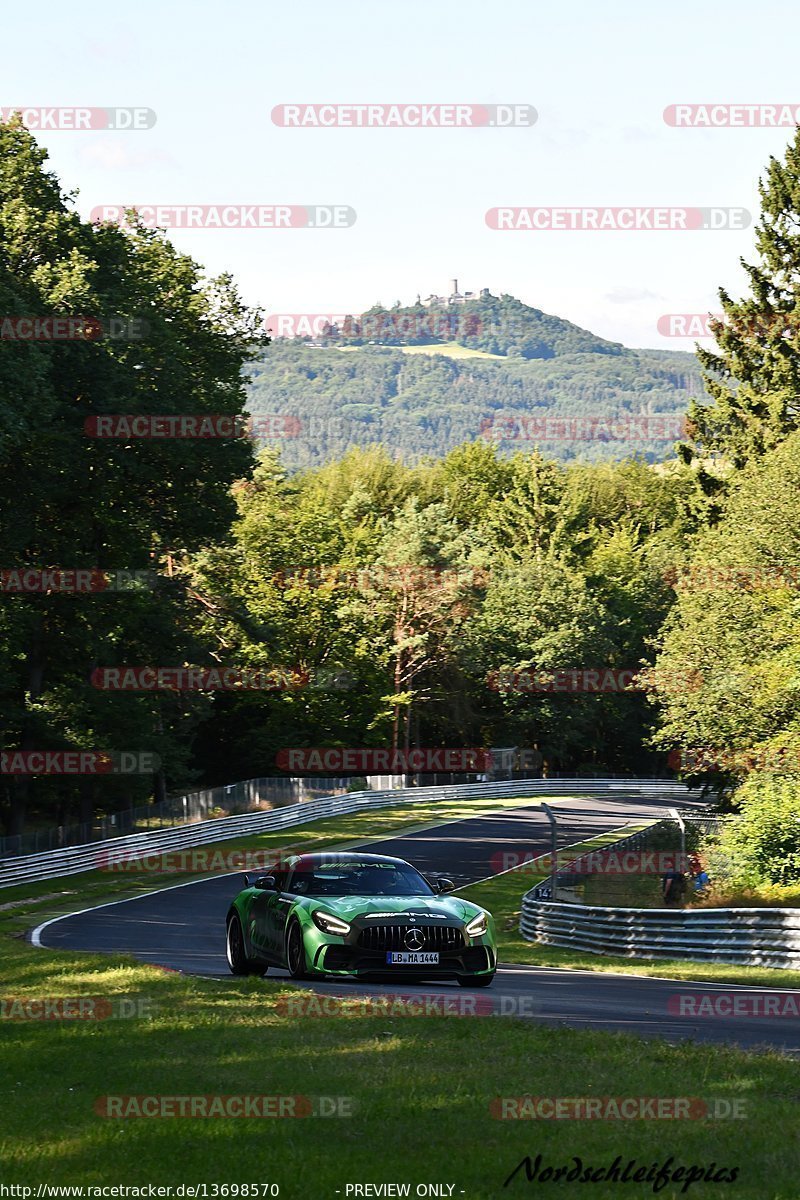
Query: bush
point(761, 845)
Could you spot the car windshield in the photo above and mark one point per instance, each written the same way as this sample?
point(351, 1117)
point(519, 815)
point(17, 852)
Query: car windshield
point(359, 879)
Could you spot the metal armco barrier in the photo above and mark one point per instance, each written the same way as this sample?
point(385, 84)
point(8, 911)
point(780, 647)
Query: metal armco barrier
point(72, 860)
point(753, 937)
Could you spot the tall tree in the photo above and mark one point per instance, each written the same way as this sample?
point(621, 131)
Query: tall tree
point(754, 375)
point(87, 502)
point(726, 675)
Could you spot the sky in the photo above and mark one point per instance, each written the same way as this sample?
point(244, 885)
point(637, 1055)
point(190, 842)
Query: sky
point(599, 77)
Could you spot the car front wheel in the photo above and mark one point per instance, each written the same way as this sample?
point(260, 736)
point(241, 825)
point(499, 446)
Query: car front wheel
point(296, 952)
point(473, 981)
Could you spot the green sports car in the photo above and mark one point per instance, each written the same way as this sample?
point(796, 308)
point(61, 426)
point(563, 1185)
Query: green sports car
point(358, 915)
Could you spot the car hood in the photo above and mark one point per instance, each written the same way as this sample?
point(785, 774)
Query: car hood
point(396, 907)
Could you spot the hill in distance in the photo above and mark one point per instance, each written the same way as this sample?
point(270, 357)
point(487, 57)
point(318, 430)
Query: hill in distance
point(425, 378)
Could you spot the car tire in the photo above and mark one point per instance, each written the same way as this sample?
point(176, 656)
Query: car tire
point(238, 962)
point(296, 962)
point(474, 981)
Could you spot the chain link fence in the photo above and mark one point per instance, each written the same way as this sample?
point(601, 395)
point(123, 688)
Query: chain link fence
point(249, 795)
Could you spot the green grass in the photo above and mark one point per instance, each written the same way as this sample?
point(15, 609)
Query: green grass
point(447, 349)
point(623, 891)
point(767, 895)
point(439, 1075)
point(452, 350)
point(422, 1088)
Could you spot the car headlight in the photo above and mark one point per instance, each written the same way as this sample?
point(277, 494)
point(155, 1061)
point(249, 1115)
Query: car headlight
point(478, 925)
point(328, 923)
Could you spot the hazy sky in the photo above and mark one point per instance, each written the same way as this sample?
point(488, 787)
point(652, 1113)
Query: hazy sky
point(598, 76)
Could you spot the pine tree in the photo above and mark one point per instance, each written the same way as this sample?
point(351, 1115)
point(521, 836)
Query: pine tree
point(754, 376)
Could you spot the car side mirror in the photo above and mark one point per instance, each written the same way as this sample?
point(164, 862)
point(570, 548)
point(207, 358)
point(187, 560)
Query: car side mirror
point(444, 885)
point(264, 883)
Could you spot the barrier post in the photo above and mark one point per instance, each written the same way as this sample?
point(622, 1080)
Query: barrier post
point(551, 816)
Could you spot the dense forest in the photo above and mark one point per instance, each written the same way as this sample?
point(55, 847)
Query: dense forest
point(434, 597)
point(340, 390)
point(423, 583)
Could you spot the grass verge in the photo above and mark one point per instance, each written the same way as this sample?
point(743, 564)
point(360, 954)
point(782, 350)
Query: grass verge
point(422, 1094)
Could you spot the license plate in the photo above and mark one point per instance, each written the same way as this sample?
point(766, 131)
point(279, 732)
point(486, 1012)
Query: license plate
point(412, 958)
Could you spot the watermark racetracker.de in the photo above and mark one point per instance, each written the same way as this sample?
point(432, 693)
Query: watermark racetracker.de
point(751, 325)
point(74, 581)
point(382, 326)
point(389, 575)
point(341, 760)
point(78, 762)
point(403, 116)
point(78, 117)
point(628, 219)
point(743, 577)
point(595, 862)
point(412, 1004)
point(757, 1005)
point(199, 860)
point(223, 1106)
point(592, 680)
point(229, 216)
point(552, 427)
point(73, 328)
point(165, 426)
point(732, 116)
point(699, 759)
point(197, 679)
point(76, 1008)
point(617, 1108)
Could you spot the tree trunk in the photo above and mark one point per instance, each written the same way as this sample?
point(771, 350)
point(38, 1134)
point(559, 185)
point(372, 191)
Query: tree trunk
point(34, 677)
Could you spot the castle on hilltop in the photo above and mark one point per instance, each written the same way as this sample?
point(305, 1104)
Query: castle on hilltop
point(455, 297)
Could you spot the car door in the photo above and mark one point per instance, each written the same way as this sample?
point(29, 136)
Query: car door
point(264, 915)
point(276, 913)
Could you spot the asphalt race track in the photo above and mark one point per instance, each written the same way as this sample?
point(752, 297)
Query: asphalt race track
point(183, 928)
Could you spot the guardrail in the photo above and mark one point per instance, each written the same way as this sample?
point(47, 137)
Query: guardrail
point(73, 860)
point(753, 937)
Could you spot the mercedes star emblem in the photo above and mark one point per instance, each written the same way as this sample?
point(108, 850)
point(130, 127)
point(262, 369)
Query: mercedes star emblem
point(414, 939)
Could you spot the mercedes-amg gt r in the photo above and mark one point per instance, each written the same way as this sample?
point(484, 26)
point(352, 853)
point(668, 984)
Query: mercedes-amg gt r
point(358, 915)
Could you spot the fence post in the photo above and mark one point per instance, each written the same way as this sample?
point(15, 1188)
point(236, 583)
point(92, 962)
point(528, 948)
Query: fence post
point(551, 816)
point(682, 825)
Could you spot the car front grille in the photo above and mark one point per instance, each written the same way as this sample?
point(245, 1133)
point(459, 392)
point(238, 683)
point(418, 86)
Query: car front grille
point(392, 937)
